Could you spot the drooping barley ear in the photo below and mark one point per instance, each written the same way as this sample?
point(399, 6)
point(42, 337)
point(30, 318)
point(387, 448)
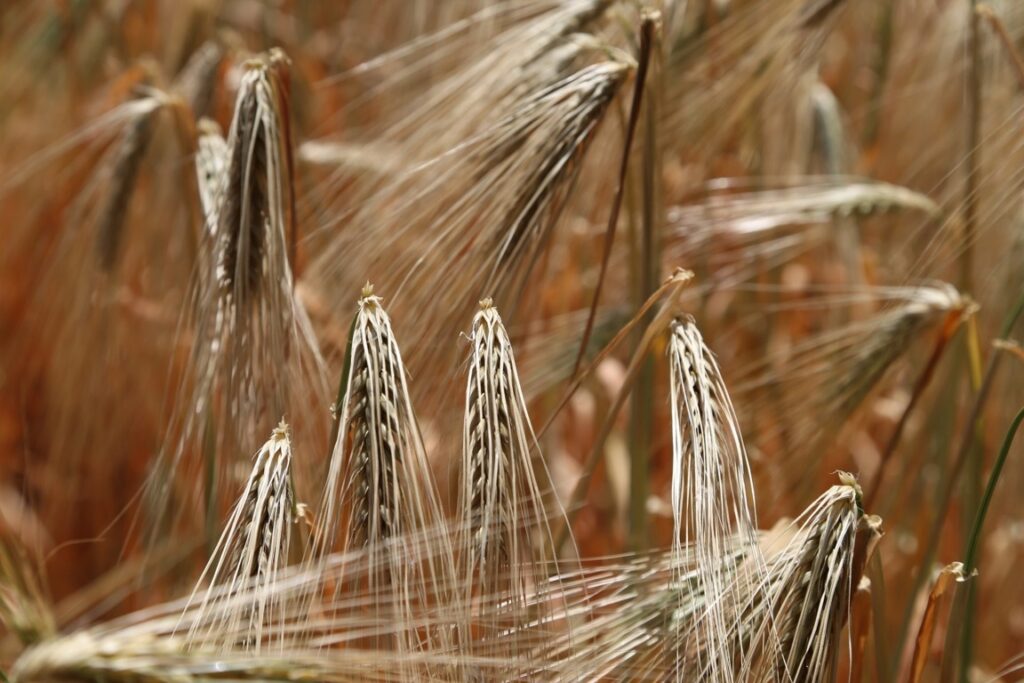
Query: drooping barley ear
point(487, 214)
point(252, 549)
point(583, 98)
point(504, 527)
point(896, 330)
point(810, 585)
point(197, 79)
point(379, 485)
point(828, 377)
point(123, 175)
point(712, 491)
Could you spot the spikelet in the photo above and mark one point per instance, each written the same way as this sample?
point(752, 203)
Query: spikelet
point(251, 551)
point(712, 492)
point(504, 531)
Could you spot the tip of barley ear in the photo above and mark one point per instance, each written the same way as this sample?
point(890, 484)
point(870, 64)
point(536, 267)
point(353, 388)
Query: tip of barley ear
point(281, 431)
point(680, 275)
point(848, 479)
point(207, 126)
point(367, 291)
point(486, 303)
point(872, 522)
point(278, 56)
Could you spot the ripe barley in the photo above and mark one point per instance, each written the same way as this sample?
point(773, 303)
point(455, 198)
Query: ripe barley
point(252, 549)
point(712, 493)
point(505, 536)
point(379, 490)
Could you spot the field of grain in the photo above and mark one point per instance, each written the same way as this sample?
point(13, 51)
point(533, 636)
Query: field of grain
point(494, 340)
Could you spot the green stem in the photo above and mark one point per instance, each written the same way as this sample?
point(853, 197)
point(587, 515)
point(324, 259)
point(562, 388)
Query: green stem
point(973, 541)
point(946, 493)
point(646, 35)
point(342, 386)
point(642, 413)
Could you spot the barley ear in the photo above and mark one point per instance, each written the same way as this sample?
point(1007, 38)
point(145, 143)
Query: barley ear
point(504, 517)
point(712, 492)
point(379, 498)
point(251, 551)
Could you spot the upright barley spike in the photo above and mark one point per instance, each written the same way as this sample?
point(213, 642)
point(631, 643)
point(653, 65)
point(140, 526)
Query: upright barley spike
point(373, 431)
point(712, 492)
point(246, 208)
point(379, 492)
point(255, 212)
point(504, 518)
point(252, 549)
